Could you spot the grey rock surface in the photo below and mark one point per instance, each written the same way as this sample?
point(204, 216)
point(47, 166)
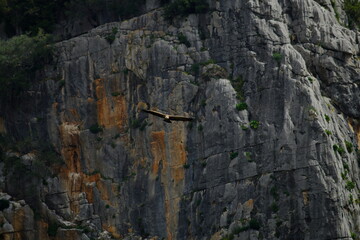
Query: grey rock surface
point(267, 172)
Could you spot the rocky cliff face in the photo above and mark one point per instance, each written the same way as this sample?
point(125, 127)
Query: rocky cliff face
point(282, 166)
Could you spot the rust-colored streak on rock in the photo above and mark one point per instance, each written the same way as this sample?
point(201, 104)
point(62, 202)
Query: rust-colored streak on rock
point(42, 228)
point(355, 125)
point(113, 231)
point(69, 134)
point(88, 186)
point(111, 110)
point(168, 151)
point(157, 150)
point(178, 155)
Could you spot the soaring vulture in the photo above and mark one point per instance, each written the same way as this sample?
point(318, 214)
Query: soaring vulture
point(167, 117)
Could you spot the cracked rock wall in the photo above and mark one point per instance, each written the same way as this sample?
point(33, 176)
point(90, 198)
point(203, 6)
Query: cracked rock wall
point(271, 171)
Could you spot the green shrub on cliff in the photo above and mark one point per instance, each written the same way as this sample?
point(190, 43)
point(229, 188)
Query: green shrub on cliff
point(20, 57)
point(183, 8)
point(352, 9)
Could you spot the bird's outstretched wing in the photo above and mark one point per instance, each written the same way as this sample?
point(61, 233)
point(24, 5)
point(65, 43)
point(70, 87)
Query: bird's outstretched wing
point(156, 113)
point(180, 118)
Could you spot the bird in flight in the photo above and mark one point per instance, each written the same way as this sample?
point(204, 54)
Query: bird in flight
point(168, 118)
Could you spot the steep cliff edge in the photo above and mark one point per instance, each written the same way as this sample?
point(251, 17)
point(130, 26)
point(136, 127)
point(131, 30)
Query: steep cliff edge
point(271, 154)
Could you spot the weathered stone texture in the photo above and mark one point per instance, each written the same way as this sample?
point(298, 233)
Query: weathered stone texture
point(270, 169)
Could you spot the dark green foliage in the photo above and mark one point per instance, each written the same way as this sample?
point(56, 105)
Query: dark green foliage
point(254, 124)
point(352, 9)
point(210, 61)
point(228, 237)
point(48, 155)
point(327, 132)
point(20, 58)
point(339, 149)
point(248, 156)
point(238, 229)
point(349, 146)
point(52, 229)
point(28, 15)
point(183, 8)
point(241, 106)
point(274, 193)
point(115, 94)
point(233, 155)
point(195, 69)
point(327, 118)
point(95, 128)
point(200, 128)
point(128, 8)
point(21, 16)
point(274, 207)
point(244, 127)
point(254, 224)
point(203, 103)
point(183, 40)
point(277, 57)
point(4, 204)
point(349, 185)
point(111, 36)
point(238, 85)
point(186, 166)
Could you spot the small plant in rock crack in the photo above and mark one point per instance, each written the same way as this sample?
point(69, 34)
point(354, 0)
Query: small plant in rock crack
point(241, 106)
point(248, 156)
point(111, 36)
point(254, 124)
point(277, 57)
point(327, 132)
point(274, 207)
point(349, 146)
point(186, 166)
point(350, 185)
point(327, 118)
point(339, 149)
point(233, 155)
point(95, 128)
point(183, 39)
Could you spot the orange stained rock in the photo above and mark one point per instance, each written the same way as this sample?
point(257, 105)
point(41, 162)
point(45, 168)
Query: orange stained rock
point(355, 126)
point(157, 150)
point(42, 228)
point(249, 204)
point(69, 135)
point(178, 155)
point(169, 150)
point(112, 230)
point(111, 110)
point(105, 190)
point(18, 222)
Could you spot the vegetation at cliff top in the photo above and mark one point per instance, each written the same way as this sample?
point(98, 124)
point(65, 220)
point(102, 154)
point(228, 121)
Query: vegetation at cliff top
point(20, 57)
point(183, 8)
point(352, 9)
point(27, 16)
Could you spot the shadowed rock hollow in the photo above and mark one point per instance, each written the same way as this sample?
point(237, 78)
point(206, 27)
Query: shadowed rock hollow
point(282, 167)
